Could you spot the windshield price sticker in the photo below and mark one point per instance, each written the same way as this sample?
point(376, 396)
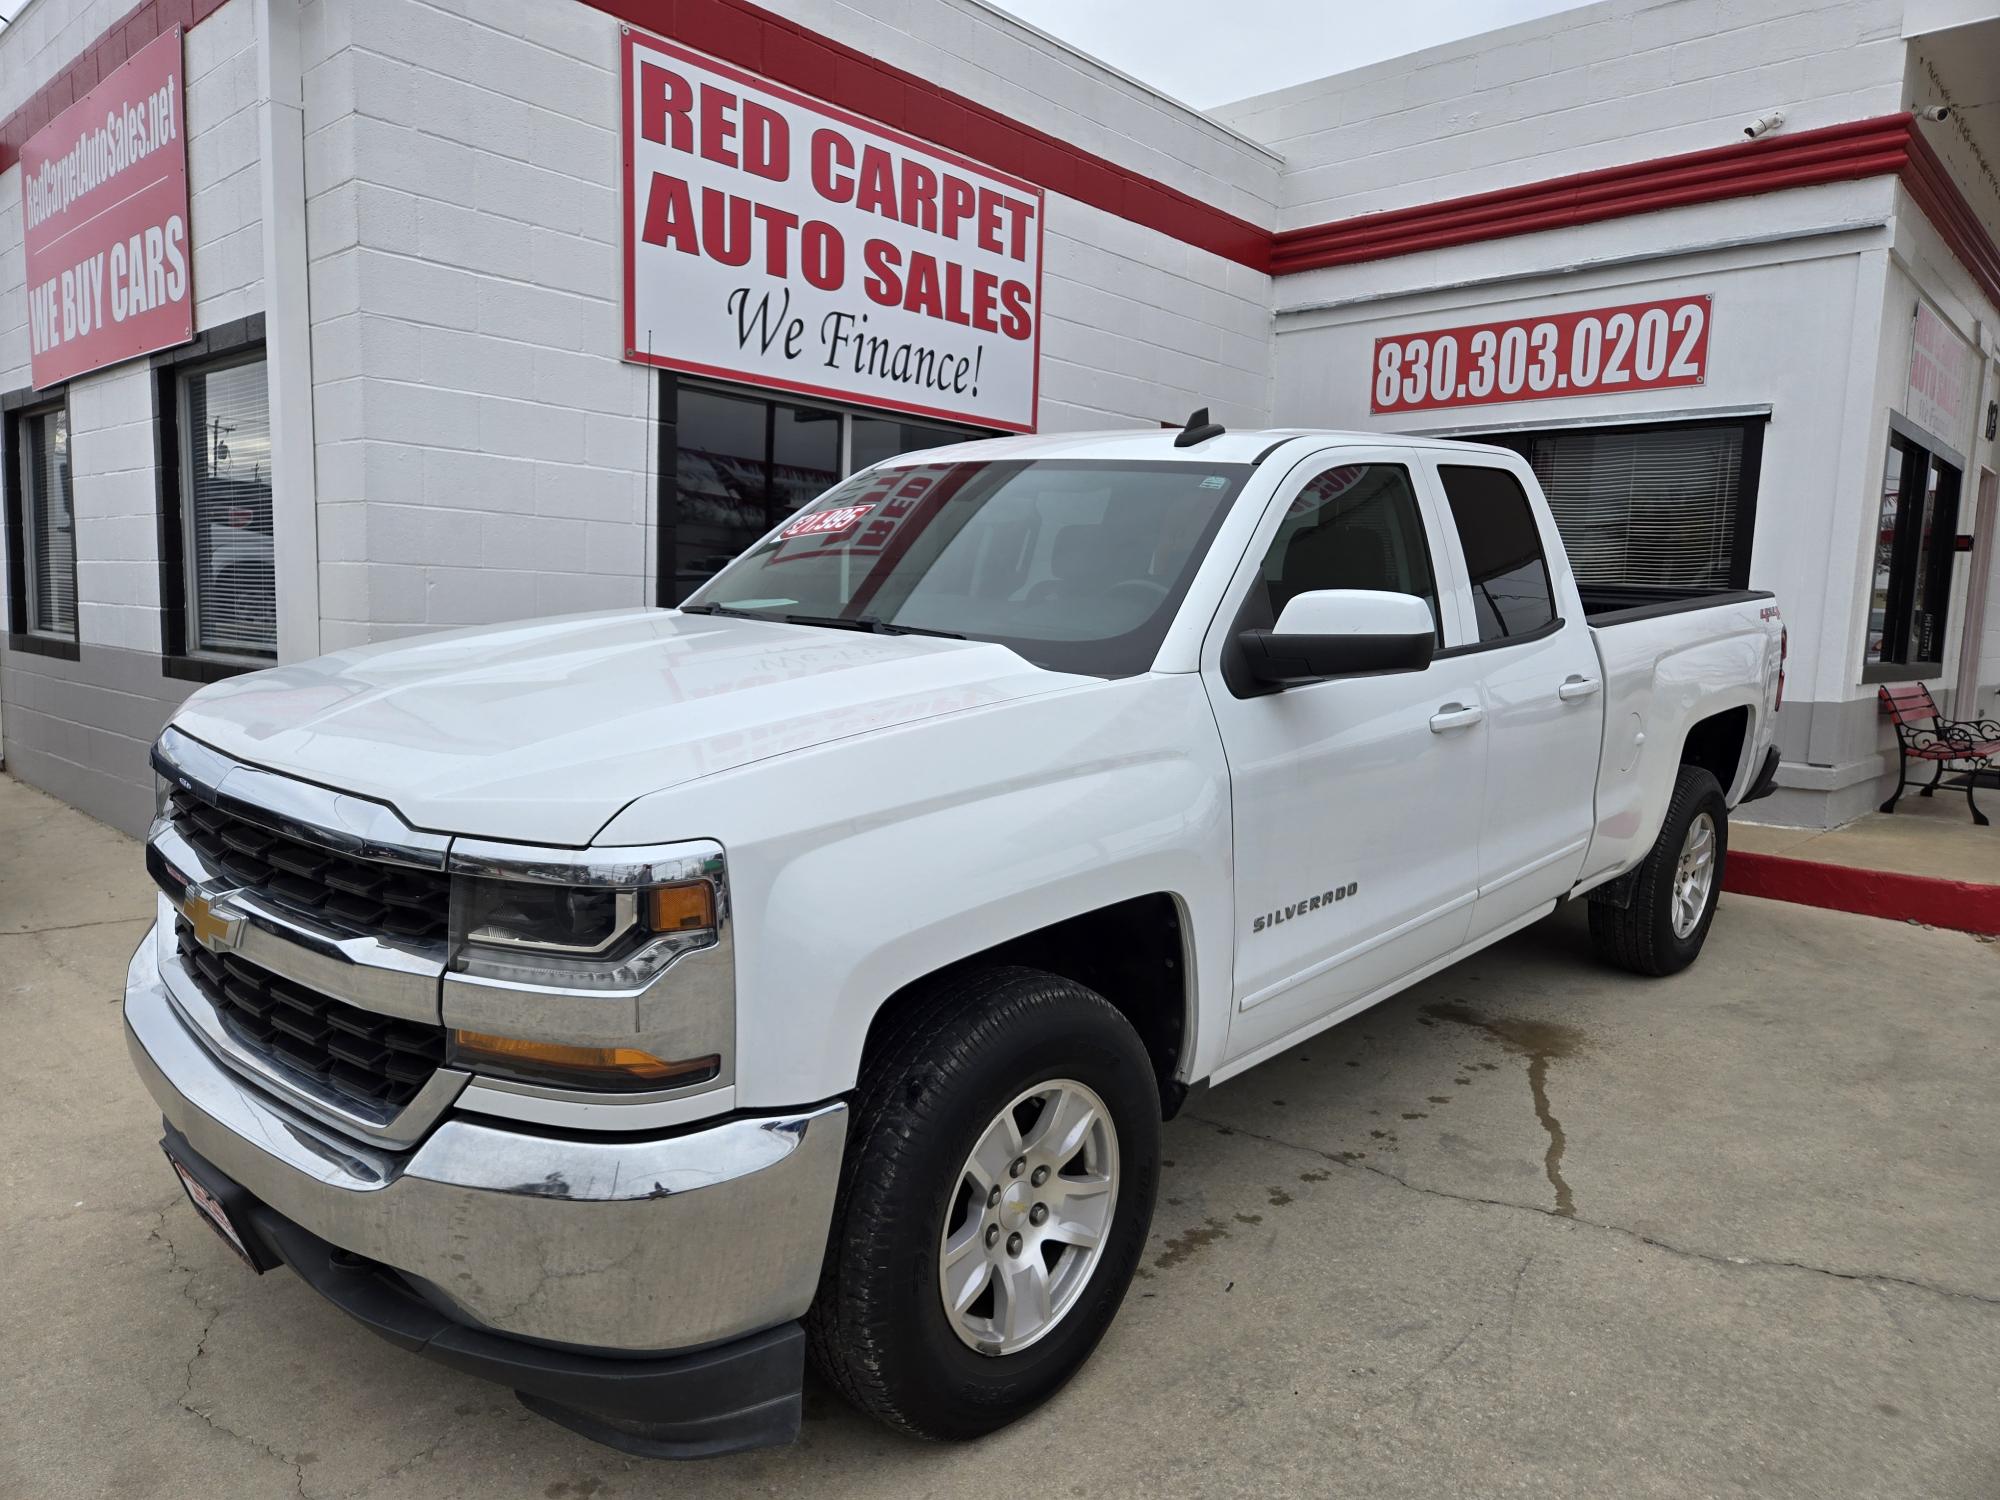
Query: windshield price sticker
point(825, 522)
point(1642, 346)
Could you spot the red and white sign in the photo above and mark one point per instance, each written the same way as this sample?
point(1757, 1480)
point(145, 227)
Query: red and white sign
point(1940, 376)
point(104, 204)
point(777, 240)
point(1642, 346)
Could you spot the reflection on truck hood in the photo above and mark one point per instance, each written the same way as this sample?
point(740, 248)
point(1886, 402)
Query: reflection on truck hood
point(541, 732)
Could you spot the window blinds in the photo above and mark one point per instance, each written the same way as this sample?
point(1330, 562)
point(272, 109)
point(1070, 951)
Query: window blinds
point(51, 523)
point(1645, 509)
point(232, 585)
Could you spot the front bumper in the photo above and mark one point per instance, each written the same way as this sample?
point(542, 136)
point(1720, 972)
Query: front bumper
point(742, 1394)
point(607, 1244)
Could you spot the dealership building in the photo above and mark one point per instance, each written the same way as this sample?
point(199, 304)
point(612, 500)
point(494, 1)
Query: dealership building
point(325, 322)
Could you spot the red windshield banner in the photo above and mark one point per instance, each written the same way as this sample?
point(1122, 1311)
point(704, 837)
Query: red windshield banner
point(104, 213)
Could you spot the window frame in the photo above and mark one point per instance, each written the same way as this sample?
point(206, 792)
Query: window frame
point(238, 342)
point(666, 435)
point(1920, 450)
point(23, 634)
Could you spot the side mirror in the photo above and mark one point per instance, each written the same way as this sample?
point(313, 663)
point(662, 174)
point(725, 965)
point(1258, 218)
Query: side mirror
point(1338, 633)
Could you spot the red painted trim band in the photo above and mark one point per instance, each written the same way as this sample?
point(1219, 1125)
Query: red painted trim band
point(832, 73)
point(1835, 153)
point(1930, 186)
point(126, 35)
point(1956, 904)
point(1882, 146)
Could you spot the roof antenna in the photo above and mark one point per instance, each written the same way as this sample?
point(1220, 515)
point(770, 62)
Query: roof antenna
point(1198, 430)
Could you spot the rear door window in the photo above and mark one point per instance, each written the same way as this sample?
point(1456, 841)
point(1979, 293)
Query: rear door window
point(1511, 592)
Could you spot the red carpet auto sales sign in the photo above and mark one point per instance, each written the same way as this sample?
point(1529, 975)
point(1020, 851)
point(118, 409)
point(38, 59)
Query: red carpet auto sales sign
point(773, 239)
point(104, 202)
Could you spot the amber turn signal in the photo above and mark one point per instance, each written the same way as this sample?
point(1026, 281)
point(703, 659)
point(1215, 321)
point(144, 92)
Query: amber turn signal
point(585, 1067)
point(686, 907)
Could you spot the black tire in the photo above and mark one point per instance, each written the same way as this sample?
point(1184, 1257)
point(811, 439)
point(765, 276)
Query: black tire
point(878, 1329)
point(1641, 937)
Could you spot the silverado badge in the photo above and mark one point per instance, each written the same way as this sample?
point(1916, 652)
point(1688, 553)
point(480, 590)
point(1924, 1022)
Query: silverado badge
point(1303, 905)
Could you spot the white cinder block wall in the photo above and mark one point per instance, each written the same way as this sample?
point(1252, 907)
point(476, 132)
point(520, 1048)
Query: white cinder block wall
point(1597, 86)
point(484, 454)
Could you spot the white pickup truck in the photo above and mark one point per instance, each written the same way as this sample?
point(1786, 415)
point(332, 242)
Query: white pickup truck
point(622, 1007)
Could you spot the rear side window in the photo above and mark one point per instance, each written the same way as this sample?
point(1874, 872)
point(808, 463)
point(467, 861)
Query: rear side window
point(1511, 594)
point(1354, 526)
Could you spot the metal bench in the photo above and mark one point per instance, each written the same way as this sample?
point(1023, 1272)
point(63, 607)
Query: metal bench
point(1968, 745)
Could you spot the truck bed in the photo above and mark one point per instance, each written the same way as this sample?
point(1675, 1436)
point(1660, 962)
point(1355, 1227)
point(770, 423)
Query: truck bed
point(1610, 604)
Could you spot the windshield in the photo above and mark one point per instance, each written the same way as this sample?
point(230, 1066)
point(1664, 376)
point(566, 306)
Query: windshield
point(1076, 565)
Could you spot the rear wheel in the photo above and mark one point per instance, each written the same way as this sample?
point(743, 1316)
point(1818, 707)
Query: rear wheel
point(996, 1196)
point(1676, 890)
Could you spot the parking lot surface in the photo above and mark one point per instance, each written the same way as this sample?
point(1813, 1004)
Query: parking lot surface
point(1534, 1227)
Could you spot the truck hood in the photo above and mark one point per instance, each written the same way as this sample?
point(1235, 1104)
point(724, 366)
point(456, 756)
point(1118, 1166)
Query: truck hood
point(541, 732)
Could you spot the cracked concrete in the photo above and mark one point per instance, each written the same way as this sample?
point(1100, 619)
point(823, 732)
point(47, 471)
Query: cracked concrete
point(1564, 1210)
point(1780, 1278)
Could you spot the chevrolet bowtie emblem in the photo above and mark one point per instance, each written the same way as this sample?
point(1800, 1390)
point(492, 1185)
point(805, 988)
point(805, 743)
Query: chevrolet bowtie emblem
point(213, 929)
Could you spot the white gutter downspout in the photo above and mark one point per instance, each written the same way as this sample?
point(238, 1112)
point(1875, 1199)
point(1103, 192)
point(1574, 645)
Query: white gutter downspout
point(281, 176)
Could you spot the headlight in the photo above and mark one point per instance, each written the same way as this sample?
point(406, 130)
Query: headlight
point(555, 955)
point(549, 918)
point(576, 937)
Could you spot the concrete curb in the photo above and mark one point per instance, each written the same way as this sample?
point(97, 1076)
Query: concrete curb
point(1957, 904)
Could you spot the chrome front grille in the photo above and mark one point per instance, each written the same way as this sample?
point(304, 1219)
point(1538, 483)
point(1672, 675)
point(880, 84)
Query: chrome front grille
point(303, 934)
point(360, 1055)
point(353, 895)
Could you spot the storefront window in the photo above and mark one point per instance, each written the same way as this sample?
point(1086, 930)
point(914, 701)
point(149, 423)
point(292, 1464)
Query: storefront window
point(1911, 589)
point(51, 523)
point(737, 463)
point(1654, 508)
point(230, 573)
point(877, 438)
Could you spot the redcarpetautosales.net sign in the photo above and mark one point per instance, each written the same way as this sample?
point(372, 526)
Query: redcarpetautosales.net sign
point(104, 203)
point(776, 240)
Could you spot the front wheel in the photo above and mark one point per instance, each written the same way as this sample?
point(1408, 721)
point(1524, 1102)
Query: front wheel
point(1676, 890)
point(995, 1199)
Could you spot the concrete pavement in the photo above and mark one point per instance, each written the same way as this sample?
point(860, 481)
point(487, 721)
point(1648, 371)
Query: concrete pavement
point(1533, 1228)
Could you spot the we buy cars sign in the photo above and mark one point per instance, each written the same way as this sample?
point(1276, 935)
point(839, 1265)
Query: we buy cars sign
point(104, 204)
point(773, 239)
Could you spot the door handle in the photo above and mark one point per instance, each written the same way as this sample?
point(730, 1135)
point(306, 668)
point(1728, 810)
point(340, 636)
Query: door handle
point(1456, 716)
point(1575, 687)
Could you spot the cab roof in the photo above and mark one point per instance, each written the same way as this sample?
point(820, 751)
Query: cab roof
point(1156, 445)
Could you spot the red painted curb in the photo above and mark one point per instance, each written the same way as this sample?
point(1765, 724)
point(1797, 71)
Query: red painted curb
point(1957, 904)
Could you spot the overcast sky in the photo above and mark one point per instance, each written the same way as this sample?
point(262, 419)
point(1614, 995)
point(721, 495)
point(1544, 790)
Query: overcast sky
point(1205, 53)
